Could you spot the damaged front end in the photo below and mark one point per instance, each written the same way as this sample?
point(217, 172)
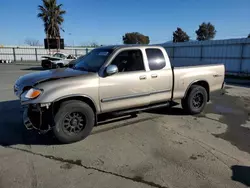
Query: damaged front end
point(39, 117)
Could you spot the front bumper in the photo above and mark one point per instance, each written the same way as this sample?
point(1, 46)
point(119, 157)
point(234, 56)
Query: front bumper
point(26, 120)
point(39, 118)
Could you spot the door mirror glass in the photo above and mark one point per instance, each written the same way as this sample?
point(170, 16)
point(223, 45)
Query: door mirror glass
point(111, 69)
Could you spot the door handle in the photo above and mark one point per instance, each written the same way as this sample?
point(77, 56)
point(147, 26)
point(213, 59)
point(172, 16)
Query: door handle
point(143, 77)
point(154, 76)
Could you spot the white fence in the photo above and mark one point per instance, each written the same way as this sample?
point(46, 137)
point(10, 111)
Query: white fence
point(23, 53)
point(233, 53)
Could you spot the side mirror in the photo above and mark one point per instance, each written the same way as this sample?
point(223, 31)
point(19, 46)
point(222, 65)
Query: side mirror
point(111, 69)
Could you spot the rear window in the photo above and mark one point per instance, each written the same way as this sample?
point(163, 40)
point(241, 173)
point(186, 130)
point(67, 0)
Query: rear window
point(156, 59)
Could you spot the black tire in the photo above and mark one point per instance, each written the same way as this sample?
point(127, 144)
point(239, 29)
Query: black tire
point(196, 100)
point(63, 134)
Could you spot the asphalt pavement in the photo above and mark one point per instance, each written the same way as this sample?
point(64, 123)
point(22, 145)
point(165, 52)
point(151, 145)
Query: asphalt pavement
point(160, 148)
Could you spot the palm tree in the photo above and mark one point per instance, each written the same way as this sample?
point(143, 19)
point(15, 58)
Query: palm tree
point(52, 17)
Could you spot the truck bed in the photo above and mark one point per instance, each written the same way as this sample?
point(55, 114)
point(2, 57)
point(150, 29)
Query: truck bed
point(175, 63)
point(189, 71)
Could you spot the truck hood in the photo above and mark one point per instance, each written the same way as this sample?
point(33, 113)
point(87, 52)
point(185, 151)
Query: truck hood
point(31, 79)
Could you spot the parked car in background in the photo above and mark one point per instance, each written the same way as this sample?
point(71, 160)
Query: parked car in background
point(58, 60)
point(113, 80)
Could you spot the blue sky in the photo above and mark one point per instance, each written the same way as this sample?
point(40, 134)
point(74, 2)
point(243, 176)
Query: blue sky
point(105, 21)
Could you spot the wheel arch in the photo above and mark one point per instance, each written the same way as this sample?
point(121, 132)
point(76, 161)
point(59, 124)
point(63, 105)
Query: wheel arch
point(202, 83)
point(83, 98)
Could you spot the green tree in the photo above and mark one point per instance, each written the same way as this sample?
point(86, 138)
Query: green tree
point(52, 16)
point(180, 36)
point(135, 38)
point(206, 31)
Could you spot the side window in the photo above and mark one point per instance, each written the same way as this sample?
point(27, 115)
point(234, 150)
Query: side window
point(129, 60)
point(156, 59)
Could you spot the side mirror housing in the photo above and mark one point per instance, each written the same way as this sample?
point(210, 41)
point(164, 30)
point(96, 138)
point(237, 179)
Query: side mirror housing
point(111, 69)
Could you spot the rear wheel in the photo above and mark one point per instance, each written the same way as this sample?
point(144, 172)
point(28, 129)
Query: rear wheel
point(73, 121)
point(196, 100)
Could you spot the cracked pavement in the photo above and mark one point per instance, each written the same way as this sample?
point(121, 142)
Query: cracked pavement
point(163, 148)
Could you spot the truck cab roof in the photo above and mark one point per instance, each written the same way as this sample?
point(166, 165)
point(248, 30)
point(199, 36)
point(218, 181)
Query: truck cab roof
point(115, 47)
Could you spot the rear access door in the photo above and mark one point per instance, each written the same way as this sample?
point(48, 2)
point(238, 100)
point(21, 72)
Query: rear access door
point(160, 77)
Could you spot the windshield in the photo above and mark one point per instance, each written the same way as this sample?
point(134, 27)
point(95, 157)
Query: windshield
point(93, 60)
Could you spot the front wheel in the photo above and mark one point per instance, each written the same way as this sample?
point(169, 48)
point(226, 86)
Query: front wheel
point(196, 100)
point(73, 122)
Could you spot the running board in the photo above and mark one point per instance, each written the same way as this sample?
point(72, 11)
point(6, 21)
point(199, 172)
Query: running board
point(129, 111)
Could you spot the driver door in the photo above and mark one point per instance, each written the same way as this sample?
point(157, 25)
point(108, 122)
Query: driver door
point(129, 87)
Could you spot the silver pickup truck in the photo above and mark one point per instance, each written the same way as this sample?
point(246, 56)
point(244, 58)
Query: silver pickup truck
point(113, 80)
